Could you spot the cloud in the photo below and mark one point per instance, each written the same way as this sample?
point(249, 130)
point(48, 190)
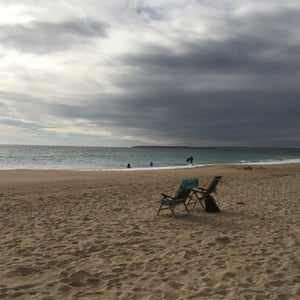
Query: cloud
point(172, 72)
point(149, 12)
point(9, 133)
point(45, 37)
point(235, 89)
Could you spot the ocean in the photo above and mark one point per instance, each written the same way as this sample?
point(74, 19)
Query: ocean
point(113, 158)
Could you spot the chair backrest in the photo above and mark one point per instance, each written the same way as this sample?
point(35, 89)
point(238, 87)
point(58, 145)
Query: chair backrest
point(213, 184)
point(185, 188)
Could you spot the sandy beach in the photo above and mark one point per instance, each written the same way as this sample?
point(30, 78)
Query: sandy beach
point(96, 235)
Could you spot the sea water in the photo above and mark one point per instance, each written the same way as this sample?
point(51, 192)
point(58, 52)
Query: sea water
point(113, 158)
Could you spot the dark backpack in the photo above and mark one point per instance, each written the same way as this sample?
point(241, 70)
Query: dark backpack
point(211, 205)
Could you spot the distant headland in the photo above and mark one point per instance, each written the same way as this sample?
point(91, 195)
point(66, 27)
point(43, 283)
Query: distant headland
point(214, 147)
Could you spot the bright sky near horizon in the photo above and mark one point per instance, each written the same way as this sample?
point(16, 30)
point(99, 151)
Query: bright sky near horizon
point(156, 72)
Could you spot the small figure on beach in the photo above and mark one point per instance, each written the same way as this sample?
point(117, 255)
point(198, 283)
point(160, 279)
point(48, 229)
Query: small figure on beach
point(151, 164)
point(128, 165)
point(190, 159)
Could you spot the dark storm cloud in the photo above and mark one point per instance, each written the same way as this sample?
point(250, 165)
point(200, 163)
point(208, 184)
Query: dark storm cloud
point(44, 37)
point(252, 118)
point(220, 118)
point(258, 106)
point(257, 44)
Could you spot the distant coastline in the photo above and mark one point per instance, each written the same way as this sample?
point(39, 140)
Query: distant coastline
point(214, 147)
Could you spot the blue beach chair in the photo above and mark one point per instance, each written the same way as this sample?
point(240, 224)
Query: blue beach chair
point(169, 202)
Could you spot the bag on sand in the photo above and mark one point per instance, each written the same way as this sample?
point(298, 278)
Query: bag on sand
point(211, 205)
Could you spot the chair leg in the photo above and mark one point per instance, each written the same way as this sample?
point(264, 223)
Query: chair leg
point(159, 210)
point(172, 210)
point(200, 200)
point(195, 203)
point(190, 201)
point(186, 208)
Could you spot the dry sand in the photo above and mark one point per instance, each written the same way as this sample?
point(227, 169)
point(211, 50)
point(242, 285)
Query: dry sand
point(95, 235)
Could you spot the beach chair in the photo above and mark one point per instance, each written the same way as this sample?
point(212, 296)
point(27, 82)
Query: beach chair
point(201, 194)
point(169, 202)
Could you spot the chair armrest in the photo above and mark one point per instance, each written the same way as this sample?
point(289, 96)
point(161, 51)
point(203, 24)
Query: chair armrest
point(167, 196)
point(199, 190)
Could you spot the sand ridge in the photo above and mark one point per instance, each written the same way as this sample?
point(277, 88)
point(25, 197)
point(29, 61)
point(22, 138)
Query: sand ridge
point(95, 235)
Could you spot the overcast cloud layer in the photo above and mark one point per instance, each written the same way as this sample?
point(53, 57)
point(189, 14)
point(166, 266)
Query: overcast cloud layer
point(197, 73)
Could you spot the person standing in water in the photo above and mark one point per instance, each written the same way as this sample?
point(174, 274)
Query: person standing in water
point(190, 159)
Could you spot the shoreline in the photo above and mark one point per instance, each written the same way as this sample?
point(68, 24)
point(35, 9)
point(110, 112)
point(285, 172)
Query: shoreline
point(95, 235)
point(262, 163)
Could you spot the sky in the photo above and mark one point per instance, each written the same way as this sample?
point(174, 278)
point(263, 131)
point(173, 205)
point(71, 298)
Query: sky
point(150, 72)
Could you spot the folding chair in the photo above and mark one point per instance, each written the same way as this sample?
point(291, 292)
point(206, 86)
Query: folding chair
point(169, 202)
point(201, 194)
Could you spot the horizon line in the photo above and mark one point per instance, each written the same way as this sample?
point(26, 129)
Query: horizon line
point(159, 146)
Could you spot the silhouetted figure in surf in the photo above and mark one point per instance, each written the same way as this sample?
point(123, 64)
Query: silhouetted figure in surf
point(151, 164)
point(190, 159)
point(128, 165)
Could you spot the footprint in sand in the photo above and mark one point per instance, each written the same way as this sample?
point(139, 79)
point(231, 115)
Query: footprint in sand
point(79, 278)
point(25, 271)
point(223, 240)
point(228, 275)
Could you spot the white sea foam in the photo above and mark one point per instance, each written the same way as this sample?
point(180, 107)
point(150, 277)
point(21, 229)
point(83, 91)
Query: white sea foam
point(271, 162)
point(157, 168)
point(268, 162)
